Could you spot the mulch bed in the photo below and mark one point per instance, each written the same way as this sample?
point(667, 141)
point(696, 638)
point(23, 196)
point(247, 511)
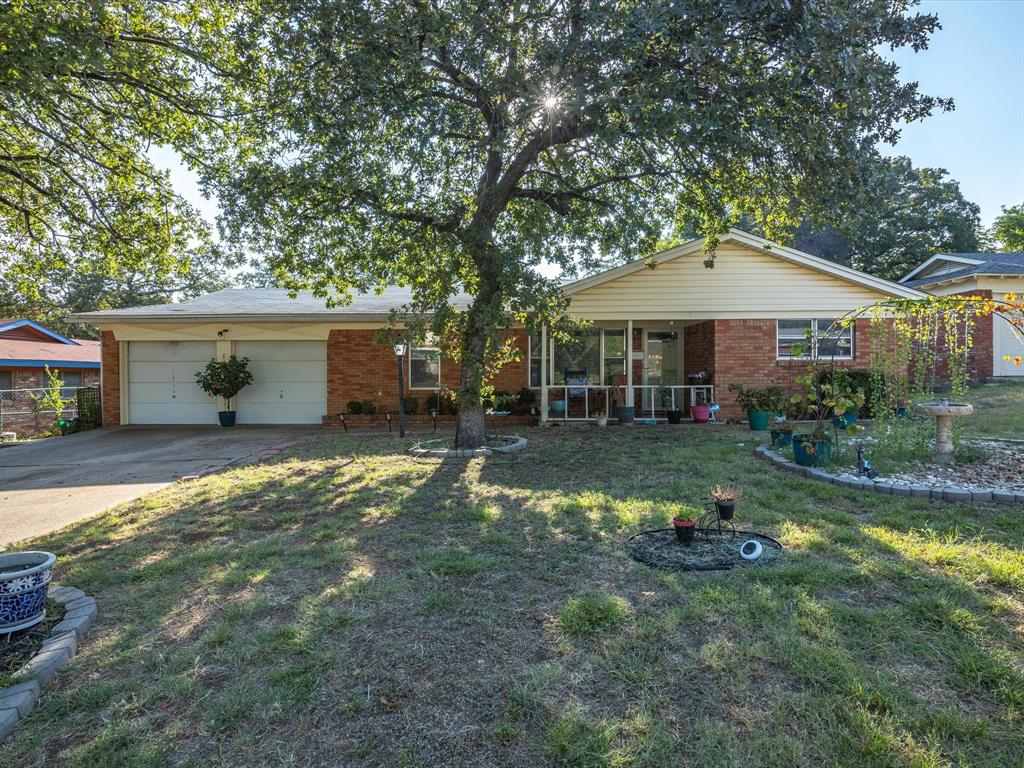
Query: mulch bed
point(714, 552)
point(18, 647)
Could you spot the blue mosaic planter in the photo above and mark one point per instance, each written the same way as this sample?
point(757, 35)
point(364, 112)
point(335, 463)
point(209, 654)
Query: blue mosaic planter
point(24, 580)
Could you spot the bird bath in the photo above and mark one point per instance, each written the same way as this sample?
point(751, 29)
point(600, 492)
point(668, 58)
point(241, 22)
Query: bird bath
point(943, 412)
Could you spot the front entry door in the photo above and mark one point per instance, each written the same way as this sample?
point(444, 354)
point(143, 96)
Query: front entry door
point(661, 369)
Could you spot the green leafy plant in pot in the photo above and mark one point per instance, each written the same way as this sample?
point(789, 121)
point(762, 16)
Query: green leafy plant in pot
point(225, 379)
point(684, 528)
point(781, 430)
point(759, 403)
point(822, 398)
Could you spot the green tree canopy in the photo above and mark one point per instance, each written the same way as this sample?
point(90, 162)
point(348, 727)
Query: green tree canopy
point(900, 217)
point(87, 87)
point(1008, 229)
point(458, 145)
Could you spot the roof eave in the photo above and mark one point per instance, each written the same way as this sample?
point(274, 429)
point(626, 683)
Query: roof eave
point(95, 318)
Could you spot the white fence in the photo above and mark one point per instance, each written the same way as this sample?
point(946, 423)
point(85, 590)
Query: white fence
point(585, 402)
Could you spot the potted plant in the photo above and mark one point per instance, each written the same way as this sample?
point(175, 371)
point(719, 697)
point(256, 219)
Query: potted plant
point(759, 403)
point(822, 397)
point(24, 582)
point(684, 528)
point(674, 416)
point(697, 379)
point(781, 432)
point(725, 501)
point(225, 378)
point(700, 412)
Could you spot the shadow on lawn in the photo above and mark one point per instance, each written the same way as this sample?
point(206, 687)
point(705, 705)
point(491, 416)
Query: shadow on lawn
point(394, 611)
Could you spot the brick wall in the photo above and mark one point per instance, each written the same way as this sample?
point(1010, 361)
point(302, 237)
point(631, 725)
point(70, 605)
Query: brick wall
point(358, 368)
point(699, 349)
point(745, 353)
point(979, 357)
point(110, 364)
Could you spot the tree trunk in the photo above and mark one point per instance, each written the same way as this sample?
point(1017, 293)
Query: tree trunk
point(483, 316)
point(470, 429)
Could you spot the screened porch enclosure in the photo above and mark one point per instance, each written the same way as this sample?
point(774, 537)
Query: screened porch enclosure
point(638, 364)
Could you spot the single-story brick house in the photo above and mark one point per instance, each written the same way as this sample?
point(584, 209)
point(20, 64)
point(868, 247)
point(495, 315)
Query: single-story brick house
point(655, 323)
point(989, 275)
point(26, 349)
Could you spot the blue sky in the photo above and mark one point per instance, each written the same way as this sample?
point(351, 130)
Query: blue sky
point(977, 58)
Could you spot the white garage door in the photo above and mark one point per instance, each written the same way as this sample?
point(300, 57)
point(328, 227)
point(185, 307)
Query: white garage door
point(162, 383)
point(289, 382)
point(1005, 342)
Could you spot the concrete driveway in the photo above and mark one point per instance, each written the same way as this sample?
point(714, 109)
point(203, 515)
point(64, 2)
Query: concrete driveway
point(48, 484)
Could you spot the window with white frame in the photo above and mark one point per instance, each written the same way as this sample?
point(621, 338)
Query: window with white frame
point(425, 366)
point(820, 338)
point(596, 354)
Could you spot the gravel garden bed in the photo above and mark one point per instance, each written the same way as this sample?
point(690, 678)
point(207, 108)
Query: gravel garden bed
point(998, 464)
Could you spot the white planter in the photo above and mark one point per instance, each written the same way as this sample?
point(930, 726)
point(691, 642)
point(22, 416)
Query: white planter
point(24, 580)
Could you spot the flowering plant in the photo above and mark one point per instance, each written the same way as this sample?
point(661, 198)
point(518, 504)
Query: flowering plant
point(224, 378)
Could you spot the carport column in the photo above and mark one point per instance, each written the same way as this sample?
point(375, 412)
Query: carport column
point(225, 349)
point(543, 373)
point(629, 363)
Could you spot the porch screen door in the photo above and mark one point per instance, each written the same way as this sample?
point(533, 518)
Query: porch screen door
point(661, 369)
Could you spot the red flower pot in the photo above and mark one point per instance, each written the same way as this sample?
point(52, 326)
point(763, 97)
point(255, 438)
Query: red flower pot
point(684, 530)
point(701, 413)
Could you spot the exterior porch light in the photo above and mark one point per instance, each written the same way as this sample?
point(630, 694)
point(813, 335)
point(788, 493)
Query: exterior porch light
point(400, 350)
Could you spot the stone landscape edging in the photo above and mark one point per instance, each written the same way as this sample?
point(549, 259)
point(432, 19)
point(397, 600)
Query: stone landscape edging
point(952, 493)
point(470, 453)
point(16, 701)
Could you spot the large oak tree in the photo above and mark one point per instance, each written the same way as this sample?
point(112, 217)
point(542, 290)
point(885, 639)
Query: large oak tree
point(86, 89)
point(459, 145)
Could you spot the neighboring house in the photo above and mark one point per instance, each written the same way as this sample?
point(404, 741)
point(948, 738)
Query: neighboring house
point(651, 329)
point(26, 350)
point(989, 275)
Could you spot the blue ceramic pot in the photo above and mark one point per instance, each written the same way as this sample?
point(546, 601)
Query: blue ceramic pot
point(758, 420)
point(227, 418)
point(24, 581)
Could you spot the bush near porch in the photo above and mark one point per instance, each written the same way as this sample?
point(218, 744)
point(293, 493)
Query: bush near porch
point(346, 604)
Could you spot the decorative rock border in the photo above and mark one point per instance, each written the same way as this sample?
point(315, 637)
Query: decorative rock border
point(17, 700)
point(949, 493)
point(515, 445)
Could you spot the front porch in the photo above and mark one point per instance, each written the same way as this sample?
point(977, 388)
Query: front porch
point(666, 365)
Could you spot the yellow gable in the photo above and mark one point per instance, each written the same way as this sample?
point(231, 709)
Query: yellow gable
point(744, 283)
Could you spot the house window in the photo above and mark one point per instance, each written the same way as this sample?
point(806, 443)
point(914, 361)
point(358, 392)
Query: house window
point(6, 386)
point(614, 356)
point(72, 381)
point(425, 367)
point(594, 355)
point(822, 337)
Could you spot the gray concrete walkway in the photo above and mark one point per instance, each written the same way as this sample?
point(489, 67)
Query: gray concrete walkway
point(48, 484)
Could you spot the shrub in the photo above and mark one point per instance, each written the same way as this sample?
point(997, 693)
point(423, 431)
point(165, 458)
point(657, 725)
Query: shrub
point(770, 399)
point(369, 407)
point(442, 402)
point(355, 407)
point(224, 378)
point(872, 383)
point(410, 405)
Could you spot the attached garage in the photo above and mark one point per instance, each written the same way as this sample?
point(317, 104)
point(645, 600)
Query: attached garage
point(162, 382)
point(289, 382)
